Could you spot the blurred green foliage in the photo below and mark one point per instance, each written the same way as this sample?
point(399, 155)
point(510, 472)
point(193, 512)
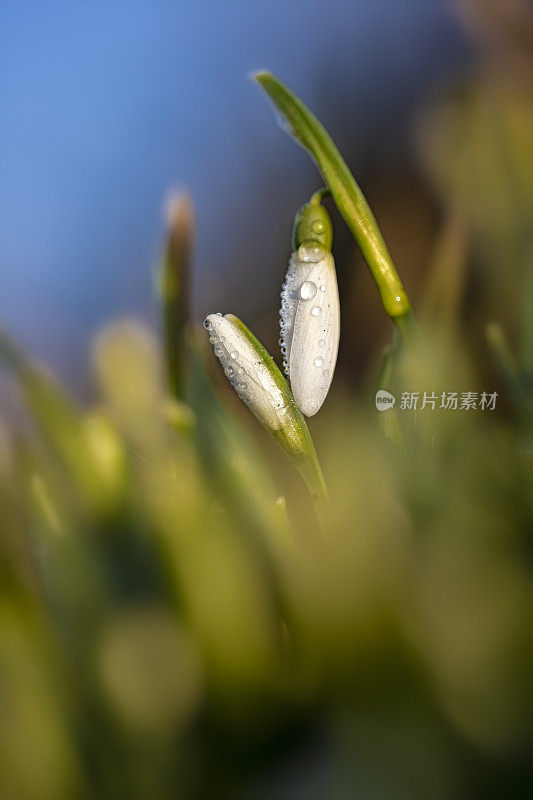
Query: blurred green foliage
point(172, 623)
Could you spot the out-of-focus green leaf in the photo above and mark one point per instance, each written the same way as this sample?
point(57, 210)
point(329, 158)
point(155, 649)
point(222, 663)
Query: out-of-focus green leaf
point(173, 289)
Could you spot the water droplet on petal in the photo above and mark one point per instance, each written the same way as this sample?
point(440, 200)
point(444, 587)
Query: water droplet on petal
point(318, 362)
point(315, 311)
point(323, 287)
point(322, 342)
point(308, 290)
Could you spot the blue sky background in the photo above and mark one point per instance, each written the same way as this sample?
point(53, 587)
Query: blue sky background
point(107, 105)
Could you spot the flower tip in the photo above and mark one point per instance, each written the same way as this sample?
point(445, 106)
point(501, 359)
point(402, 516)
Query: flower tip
point(211, 320)
point(259, 75)
point(308, 405)
point(179, 210)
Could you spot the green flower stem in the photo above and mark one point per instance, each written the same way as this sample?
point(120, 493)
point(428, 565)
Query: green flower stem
point(408, 328)
point(507, 369)
point(388, 419)
point(345, 191)
point(320, 195)
point(294, 436)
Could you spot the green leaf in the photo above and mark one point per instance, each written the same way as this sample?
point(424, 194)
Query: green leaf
point(350, 201)
point(173, 287)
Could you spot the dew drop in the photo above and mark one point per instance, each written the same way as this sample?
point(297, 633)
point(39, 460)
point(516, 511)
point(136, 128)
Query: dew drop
point(315, 311)
point(218, 352)
point(323, 287)
point(207, 324)
point(307, 290)
point(318, 226)
point(318, 362)
point(322, 342)
point(229, 372)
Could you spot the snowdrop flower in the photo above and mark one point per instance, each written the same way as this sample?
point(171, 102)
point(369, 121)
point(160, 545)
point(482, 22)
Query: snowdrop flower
point(310, 310)
point(259, 383)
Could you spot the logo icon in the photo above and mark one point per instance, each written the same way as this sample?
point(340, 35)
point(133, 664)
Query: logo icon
point(384, 400)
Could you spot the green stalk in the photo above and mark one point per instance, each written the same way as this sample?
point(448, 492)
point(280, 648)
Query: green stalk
point(294, 437)
point(345, 191)
point(507, 368)
point(388, 419)
point(173, 288)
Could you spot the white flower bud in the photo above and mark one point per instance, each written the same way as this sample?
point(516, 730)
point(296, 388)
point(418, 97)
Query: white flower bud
point(310, 325)
point(259, 383)
point(257, 380)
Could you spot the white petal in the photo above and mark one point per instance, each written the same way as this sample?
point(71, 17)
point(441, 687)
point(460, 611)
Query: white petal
point(295, 277)
point(311, 327)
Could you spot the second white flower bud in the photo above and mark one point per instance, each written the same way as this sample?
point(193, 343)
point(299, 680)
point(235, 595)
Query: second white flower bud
point(258, 382)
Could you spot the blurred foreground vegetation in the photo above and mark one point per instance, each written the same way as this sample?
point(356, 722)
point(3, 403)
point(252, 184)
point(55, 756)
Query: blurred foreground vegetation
point(172, 621)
